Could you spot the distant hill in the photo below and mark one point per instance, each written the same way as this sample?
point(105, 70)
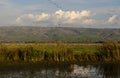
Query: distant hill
point(70, 34)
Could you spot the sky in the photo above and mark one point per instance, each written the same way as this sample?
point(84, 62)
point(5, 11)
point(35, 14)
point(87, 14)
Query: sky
point(60, 13)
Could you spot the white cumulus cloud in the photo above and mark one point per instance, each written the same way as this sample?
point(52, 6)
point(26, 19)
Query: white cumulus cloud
point(63, 17)
point(112, 19)
point(72, 16)
point(89, 21)
point(29, 18)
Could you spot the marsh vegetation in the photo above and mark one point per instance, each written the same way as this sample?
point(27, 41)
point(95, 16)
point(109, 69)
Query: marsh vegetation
point(59, 52)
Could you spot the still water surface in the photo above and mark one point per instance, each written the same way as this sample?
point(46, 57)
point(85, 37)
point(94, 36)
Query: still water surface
point(62, 71)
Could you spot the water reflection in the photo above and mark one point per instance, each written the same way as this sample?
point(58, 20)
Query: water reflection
point(64, 71)
point(110, 70)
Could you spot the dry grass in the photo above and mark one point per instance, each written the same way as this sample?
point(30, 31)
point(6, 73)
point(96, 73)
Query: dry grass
point(59, 52)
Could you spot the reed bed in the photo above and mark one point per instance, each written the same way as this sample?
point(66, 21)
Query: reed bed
point(109, 52)
point(58, 52)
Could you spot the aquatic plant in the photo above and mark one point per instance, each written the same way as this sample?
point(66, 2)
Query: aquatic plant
point(59, 52)
point(109, 51)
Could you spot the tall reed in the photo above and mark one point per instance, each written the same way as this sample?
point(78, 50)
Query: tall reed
point(59, 52)
point(109, 51)
point(36, 53)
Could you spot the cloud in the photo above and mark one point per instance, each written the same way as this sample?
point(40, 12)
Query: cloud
point(29, 18)
point(63, 17)
point(89, 21)
point(71, 16)
point(112, 19)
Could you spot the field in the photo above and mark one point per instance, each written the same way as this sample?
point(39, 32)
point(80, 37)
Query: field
point(59, 52)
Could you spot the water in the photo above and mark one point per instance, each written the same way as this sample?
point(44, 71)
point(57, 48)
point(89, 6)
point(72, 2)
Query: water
point(61, 71)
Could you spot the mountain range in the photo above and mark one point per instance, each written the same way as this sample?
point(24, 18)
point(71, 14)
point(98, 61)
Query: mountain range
point(51, 34)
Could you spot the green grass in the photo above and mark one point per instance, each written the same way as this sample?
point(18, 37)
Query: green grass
point(58, 52)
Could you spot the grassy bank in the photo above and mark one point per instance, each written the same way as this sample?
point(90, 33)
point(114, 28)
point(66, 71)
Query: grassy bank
point(59, 52)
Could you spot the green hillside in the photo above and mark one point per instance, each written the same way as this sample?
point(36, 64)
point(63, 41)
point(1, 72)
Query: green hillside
point(70, 34)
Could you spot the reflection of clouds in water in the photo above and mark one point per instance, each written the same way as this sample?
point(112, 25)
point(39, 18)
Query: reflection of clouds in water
point(88, 71)
point(77, 72)
point(80, 70)
point(57, 73)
